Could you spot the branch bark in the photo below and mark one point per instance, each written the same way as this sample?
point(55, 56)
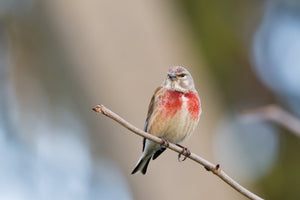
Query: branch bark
point(215, 169)
point(275, 114)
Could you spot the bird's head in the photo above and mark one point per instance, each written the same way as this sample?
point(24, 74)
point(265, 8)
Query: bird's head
point(179, 79)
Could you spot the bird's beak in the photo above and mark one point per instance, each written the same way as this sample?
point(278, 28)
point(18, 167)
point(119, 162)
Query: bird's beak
point(172, 76)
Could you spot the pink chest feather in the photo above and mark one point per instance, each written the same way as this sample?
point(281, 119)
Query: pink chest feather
point(173, 101)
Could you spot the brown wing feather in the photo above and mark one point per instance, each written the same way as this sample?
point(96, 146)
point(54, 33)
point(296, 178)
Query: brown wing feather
point(150, 111)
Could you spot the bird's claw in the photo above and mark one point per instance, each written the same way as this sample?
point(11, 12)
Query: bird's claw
point(185, 151)
point(164, 142)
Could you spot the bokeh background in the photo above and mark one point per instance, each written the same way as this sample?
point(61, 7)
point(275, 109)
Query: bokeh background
point(58, 59)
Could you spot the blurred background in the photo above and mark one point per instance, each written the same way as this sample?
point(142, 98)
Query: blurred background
point(58, 59)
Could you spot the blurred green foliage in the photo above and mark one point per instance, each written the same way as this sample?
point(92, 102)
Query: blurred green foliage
point(223, 31)
point(284, 180)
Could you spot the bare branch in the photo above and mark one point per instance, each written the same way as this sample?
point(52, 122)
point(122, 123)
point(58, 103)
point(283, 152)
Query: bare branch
point(275, 114)
point(208, 166)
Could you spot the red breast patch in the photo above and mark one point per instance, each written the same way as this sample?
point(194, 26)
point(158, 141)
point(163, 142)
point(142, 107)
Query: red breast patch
point(193, 104)
point(172, 102)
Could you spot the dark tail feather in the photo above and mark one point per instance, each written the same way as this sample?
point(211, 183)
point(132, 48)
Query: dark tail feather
point(142, 166)
point(144, 170)
point(158, 152)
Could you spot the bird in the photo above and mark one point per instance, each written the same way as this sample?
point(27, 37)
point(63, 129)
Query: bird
point(173, 114)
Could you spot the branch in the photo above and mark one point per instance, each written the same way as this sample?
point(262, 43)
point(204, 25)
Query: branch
point(209, 166)
point(275, 114)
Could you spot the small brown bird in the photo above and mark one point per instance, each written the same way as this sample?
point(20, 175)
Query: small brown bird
point(173, 114)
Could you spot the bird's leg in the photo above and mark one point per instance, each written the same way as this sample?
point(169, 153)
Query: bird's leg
point(185, 151)
point(164, 142)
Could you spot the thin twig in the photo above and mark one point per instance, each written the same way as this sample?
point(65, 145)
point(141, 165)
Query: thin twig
point(275, 114)
point(209, 166)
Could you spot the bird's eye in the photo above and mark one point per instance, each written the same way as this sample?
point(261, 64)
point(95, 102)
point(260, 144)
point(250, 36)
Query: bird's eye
point(182, 75)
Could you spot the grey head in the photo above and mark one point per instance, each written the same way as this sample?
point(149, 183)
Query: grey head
point(179, 79)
